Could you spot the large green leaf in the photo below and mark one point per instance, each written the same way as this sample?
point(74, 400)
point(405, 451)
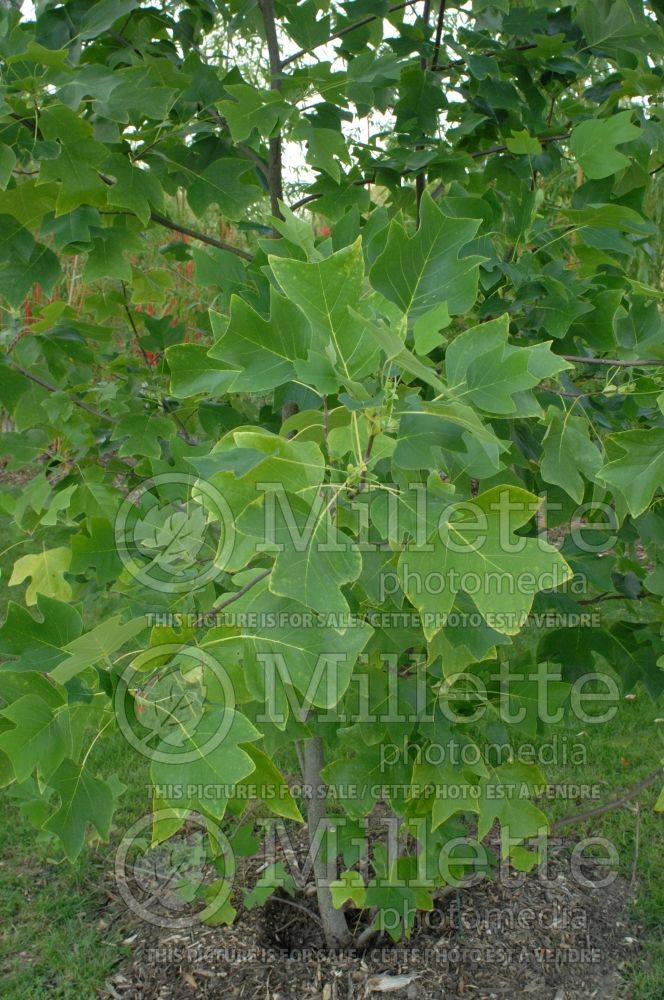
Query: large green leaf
point(40, 737)
point(594, 144)
point(84, 799)
point(46, 572)
point(568, 452)
point(284, 641)
point(203, 766)
point(39, 645)
point(639, 471)
point(475, 550)
point(325, 291)
point(420, 272)
point(484, 369)
point(261, 351)
point(314, 558)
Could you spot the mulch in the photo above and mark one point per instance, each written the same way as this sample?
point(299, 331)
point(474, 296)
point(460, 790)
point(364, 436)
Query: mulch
point(516, 936)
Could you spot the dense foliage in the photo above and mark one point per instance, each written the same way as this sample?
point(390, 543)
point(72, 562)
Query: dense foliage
point(359, 423)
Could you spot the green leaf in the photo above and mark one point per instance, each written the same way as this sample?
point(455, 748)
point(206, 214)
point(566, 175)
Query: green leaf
point(46, 571)
point(96, 645)
point(304, 25)
point(77, 165)
point(523, 143)
point(639, 471)
point(40, 737)
point(444, 778)
point(194, 370)
point(594, 142)
point(427, 327)
point(326, 148)
point(39, 645)
point(29, 202)
point(314, 657)
point(357, 781)
point(420, 272)
point(107, 257)
point(484, 369)
point(222, 183)
point(568, 452)
point(504, 796)
point(324, 291)
point(7, 164)
point(475, 550)
point(135, 189)
point(251, 108)
point(393, 346)
point(427, 430)
point(96, 549)
point(349, 888)
point(204, 762)
point(17, 277)
point(101, 15)
point(83, 799)
point(271, 785)
point(659, 805)
point(250, 462)
point(142, 433)
point(274, 877)
point(463, 640)
point(261, 351)
point(314, 558)
point(630, 652)
point(617, 26)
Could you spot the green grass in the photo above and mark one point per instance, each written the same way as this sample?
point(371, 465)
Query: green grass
point(620, 753)
point(52, 943)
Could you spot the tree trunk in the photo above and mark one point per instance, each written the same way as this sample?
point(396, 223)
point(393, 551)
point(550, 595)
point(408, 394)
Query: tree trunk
point(334, 921)
point(274, 174)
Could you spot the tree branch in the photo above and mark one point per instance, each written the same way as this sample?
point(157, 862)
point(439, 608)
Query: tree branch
point(274, 173)
point(611, 362)
point(56, 388)
point(478, 154)
point(163, 220)
point(420, 180)
point(133, 325)
point(211, 241)
point(600, 598)
point(488, 53)
point(630, 794)
point(247, 150)
point(439, 35)
point(347, 30)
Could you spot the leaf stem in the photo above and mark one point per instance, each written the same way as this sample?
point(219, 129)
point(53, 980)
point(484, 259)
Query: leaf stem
point(233, 597)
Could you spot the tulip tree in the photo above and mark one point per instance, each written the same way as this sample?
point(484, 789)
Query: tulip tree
point(333, 350)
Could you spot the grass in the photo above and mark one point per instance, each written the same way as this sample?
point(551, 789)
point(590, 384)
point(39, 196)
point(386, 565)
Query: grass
point(621, 753)
point(52, 942)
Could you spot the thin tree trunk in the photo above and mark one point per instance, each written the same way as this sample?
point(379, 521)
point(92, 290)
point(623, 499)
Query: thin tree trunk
point(420, 180)
point(274, 177)
point(334, 921)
